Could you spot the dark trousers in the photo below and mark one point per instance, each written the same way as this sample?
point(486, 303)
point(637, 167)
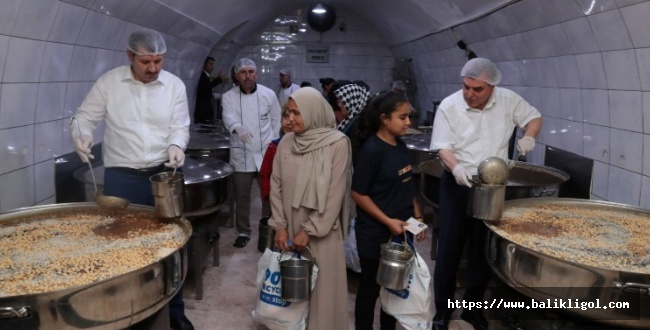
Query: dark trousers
point(137, 189)
point(455, 228)
point(367, 294)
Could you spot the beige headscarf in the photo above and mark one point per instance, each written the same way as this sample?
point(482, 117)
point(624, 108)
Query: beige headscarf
point(314, 175)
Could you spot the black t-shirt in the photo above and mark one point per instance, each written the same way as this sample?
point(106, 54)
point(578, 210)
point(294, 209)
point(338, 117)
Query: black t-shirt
point(383, 173)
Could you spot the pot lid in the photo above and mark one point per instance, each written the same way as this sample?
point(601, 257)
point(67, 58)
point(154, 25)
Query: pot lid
point(209, 140)
point(199, 169)
point(196, 169)
point(419, 142)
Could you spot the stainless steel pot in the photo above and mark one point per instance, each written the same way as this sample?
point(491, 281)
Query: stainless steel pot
point(209, 141)
point(525, 180)
point(206, 184)
point(418, 145)
point(114, 303)
point(541, 276)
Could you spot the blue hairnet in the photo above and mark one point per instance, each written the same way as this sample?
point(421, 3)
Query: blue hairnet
point(481, 69)
point(244, 62)
point(146, 43)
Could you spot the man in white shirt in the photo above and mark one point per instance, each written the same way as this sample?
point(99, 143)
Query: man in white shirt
point(251, 113)
point(286, 87)
point(147, 124)
point(472, 124)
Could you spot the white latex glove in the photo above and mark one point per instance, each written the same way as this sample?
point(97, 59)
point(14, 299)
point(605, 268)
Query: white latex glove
point(176, 156)
point(525, 145)
point(82, 146)
point(462, 175)
point(243, 134)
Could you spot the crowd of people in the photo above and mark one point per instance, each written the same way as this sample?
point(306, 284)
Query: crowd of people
point(320, 158)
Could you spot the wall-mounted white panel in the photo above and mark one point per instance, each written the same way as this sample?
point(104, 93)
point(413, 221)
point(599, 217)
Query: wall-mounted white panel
point(572, 136)
point(624, 186)
point(643, 62)
point(552, 132)
point(551, 102)
point(4, 45)
point(591, 71)
point(621, 70)
point(600, 179)
point(596, 142)
point(50, 101)
point(636, 20)
point(626, 150)
point(103, 62)
point(24, 60)
point(44, 180)
point(47, 140)
point(75, 94)
point(510, 73)
point(8, 15)
point(624, 3)
point(117, 8)
point(17, 105)
point(81, 68)
point(66, 140)
point(91, 30)
point(35, 18)
point(567, 71)
point(529, 72)
point(610, 30)
point(590, 7)
point(16, 148)
point(595, 105)
point(626, 110)
point(111, 37)
point(580, 35)
point(56, 62)
point(546, 72)
point(67, 23)
point(17, 189)
point(571, 104)
point(646, 113)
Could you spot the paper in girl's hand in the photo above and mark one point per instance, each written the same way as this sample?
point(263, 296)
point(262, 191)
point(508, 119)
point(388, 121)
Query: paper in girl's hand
point(415, 226)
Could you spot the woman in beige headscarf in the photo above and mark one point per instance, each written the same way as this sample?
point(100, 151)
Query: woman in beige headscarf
point(310, 186)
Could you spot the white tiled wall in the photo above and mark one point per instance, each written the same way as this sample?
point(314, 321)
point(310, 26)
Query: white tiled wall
point(51, 52)
point(583, 64)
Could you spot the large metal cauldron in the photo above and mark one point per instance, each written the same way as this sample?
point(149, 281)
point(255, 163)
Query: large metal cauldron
point(209, 141)
point(541, 276)
point(114, 303)
point(524, 181)
point(418, 143)
point(206, 184)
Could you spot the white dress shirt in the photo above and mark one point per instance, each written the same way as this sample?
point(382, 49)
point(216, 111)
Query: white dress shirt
point(259, 113)
point(142, 120)
point(473, 135)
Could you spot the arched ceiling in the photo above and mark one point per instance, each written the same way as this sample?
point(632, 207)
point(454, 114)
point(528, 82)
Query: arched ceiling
point(395, 21)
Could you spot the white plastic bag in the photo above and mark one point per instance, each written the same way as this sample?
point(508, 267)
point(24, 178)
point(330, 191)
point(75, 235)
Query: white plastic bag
point(411, 306)
point(270, 309)
point(351, 252)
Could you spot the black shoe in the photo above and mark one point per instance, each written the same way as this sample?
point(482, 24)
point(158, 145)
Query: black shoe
point(475, 318)
point(241, 241)
point(181, 323)
point(441, 322)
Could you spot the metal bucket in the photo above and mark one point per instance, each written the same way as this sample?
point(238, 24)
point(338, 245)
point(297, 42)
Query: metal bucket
point(167, 191)
point(486, 201)
point(266, 236)
point(296, 278)
point(394, 265)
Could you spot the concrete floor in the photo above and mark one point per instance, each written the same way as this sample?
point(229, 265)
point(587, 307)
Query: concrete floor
point(229, 290)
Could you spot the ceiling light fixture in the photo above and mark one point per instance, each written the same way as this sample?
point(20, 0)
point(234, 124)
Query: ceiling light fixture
point(319, 9)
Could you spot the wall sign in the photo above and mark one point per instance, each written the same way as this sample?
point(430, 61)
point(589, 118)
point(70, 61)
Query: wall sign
point(318, 54)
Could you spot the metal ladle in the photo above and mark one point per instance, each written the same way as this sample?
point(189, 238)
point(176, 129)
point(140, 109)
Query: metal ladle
point(104, 202)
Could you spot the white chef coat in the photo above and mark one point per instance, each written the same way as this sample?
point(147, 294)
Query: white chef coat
point(473, 135)
point(284, 93)
point(259, 113)
point(142, 120)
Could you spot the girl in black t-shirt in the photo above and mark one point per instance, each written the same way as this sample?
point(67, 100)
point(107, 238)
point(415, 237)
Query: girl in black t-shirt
point(384, 191)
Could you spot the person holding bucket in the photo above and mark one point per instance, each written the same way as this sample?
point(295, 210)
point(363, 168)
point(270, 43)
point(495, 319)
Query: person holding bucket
point(147, 124)
point(384, 191)
point(310, 186)
point(471, 125)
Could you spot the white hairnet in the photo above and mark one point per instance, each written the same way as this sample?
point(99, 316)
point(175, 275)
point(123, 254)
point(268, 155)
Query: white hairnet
point(482, 69)
point(243, 63)
point(147, 43)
